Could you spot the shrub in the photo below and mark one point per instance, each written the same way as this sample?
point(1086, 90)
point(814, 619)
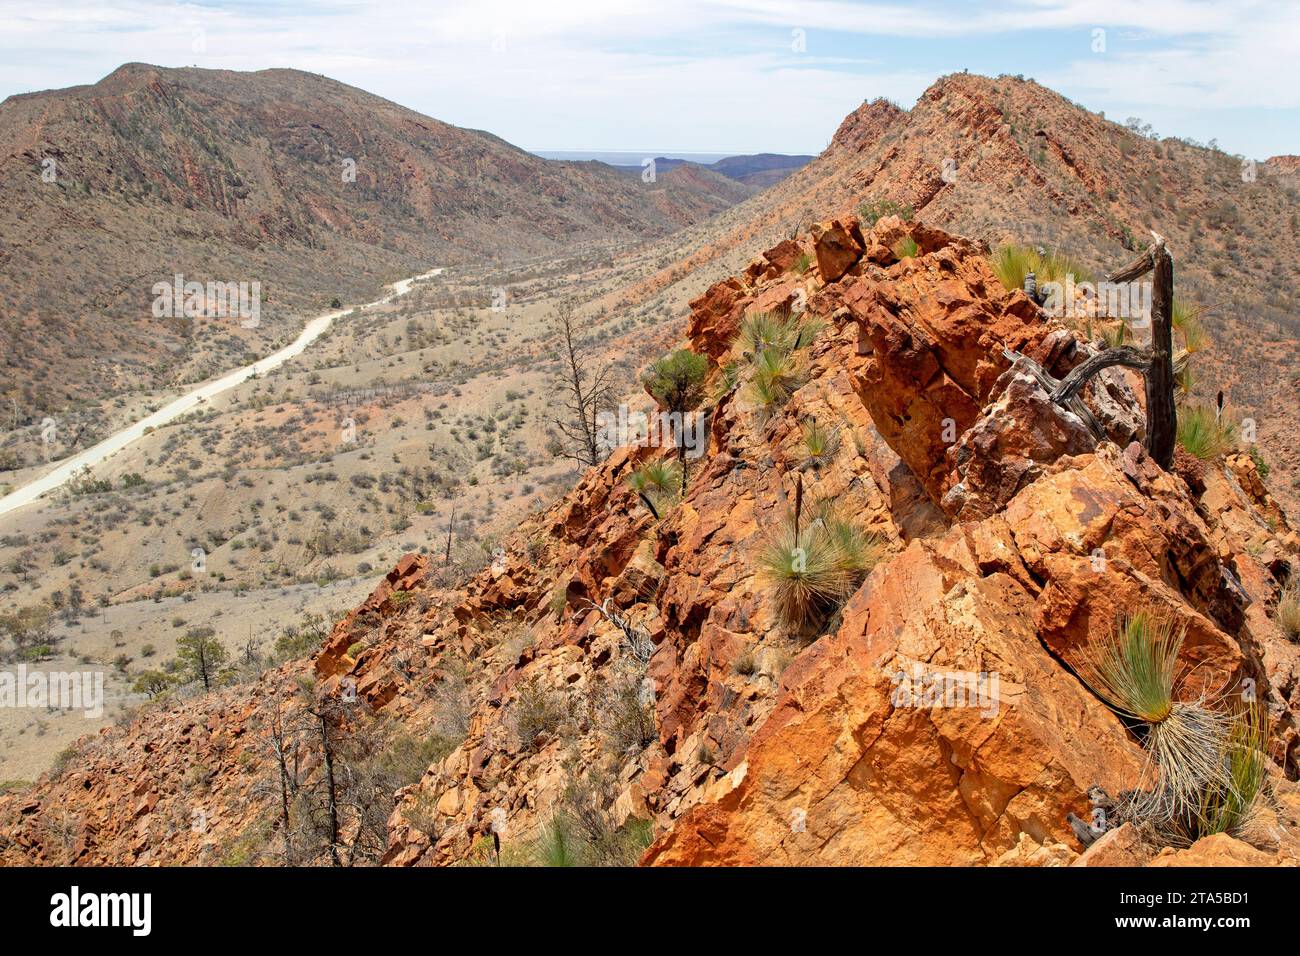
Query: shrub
point(1186, 320)
point(152, 683)
point(556, 846)
point(1227, 806)
point(1202, 434)
point(906, 248)
point(1134, 671)
point(660, 481)
point(761, 331)
point(812, 571)
point(871, 211)
point(624, 713)
point(820, 443)
point(403, 758)
point(677, 380)
point(597, 841)
point(1288, 611)
point(1261, 465)
point(776, 376)
point(536, 712)
point(862, 550)
point(1011, 263)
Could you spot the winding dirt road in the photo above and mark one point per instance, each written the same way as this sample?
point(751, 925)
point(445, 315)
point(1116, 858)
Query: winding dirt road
point(119, 440)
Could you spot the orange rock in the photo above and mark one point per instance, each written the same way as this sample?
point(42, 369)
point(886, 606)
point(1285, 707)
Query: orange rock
point(837, 246)
point(1217, 850)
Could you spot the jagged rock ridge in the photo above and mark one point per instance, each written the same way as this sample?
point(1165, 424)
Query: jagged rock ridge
point(1011, 540)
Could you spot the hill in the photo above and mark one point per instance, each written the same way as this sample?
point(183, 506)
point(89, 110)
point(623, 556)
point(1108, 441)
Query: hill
point(316, 190)
point(635, 673)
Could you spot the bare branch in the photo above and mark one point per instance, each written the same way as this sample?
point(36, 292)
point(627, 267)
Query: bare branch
point(1125, 355)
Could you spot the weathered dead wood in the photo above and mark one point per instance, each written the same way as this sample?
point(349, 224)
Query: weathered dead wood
point(1073, 403)
point(1139, 266)
point(1125, 355)
point(1162, 413)
point(1156, 366)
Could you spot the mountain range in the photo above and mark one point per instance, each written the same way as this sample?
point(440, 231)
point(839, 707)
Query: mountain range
point(603, 665)
point(317, 190)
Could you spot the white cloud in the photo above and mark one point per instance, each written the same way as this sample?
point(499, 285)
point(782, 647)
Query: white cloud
point(665, 74)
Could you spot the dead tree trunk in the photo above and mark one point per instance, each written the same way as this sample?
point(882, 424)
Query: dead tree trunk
point(279, 745)
point(332, 791)
point(1162, 414)
point(1156, 365)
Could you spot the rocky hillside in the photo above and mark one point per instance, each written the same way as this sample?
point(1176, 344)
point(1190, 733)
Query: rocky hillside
point(315, 189)
point(1026, 165)
point(621, 686)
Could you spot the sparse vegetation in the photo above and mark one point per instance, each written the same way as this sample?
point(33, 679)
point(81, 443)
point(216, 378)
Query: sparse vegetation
point(658, 482)
point(810, 571)
point(537, 714)
point(1202, 434)
point(871, 211)
point(200, 656)
point(1011, 263)
point(1227, 806)
point(820, 443)
point(1135, 672)
point(905, 248)
point(677, 383)
point(581, 831)
point(1288, 611)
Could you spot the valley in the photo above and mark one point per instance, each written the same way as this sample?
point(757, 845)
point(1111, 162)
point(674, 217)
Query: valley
point(385, 509)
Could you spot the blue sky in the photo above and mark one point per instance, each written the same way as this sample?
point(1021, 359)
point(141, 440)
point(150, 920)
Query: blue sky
point(723, 76)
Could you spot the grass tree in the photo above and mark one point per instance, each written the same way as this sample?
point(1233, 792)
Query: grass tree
point(676, 382)
point(811, 571)
point(1203, 434)
point(1135, 672)
point(657, 483)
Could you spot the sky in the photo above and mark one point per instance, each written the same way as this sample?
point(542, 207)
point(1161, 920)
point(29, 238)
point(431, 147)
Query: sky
point(716, 76)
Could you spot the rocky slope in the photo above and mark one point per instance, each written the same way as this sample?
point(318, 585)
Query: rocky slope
point(313, 188)
point(1012, 533)
point(1026, 165)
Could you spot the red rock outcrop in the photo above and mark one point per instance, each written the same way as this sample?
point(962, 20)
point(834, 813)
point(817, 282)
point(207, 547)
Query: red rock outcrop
point(934, 722)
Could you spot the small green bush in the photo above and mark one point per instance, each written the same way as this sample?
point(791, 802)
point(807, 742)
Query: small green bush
point(906, 248)
point(871, 211)
point(1202, 434)
point(677, 380)
point(1011, 263)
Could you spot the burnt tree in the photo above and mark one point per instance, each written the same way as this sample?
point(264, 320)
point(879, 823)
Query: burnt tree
point(1155, 364)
